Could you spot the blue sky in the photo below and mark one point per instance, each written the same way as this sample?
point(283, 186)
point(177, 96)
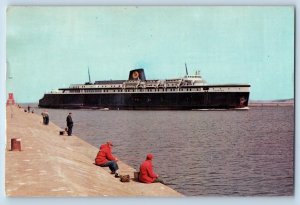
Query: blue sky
point(52, 47)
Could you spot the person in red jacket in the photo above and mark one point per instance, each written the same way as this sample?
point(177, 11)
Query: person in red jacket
point(105, 158)
point(146, 171)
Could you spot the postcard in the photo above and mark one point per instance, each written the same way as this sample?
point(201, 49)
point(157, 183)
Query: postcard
point(150, 101)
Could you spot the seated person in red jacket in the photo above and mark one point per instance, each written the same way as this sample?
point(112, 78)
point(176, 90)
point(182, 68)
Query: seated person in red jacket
point(105, 158)
point(146, 171)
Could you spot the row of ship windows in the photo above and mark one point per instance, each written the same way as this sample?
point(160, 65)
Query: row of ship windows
point(145, 90)
point(99, 86)
point(119, 86)
point(133, 90)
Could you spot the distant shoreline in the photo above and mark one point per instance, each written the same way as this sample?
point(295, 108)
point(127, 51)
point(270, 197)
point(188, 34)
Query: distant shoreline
point(272, 104)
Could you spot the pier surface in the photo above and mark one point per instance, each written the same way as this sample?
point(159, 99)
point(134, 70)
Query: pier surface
point(50, 164)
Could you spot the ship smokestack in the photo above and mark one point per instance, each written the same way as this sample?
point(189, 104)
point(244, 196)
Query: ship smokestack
point(137, 74)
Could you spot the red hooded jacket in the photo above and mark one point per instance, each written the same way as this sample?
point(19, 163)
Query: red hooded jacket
point(146, 171)
point(104, 155)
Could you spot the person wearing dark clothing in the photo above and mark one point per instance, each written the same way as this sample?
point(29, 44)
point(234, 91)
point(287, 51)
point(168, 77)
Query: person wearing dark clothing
point(28, 109)
point(105, 158)
point(45, 117)
point(69, 124)
point(147, 174)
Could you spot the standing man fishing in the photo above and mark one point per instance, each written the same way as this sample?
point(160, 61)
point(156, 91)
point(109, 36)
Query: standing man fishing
point(69, 124)
point(45, 117)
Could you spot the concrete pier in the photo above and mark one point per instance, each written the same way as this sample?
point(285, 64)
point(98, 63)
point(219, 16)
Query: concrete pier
point(50, 164)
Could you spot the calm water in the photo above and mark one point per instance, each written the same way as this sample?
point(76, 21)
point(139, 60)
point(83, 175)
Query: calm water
point(200, 153)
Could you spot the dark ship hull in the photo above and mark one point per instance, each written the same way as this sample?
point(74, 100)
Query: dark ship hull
point(146, 101)
point(188, 93)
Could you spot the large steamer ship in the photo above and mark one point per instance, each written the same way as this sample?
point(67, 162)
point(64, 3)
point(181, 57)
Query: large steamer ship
point(187, 93)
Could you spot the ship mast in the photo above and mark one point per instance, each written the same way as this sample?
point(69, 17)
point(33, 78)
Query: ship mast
point(89, 75)
point(186, 70)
